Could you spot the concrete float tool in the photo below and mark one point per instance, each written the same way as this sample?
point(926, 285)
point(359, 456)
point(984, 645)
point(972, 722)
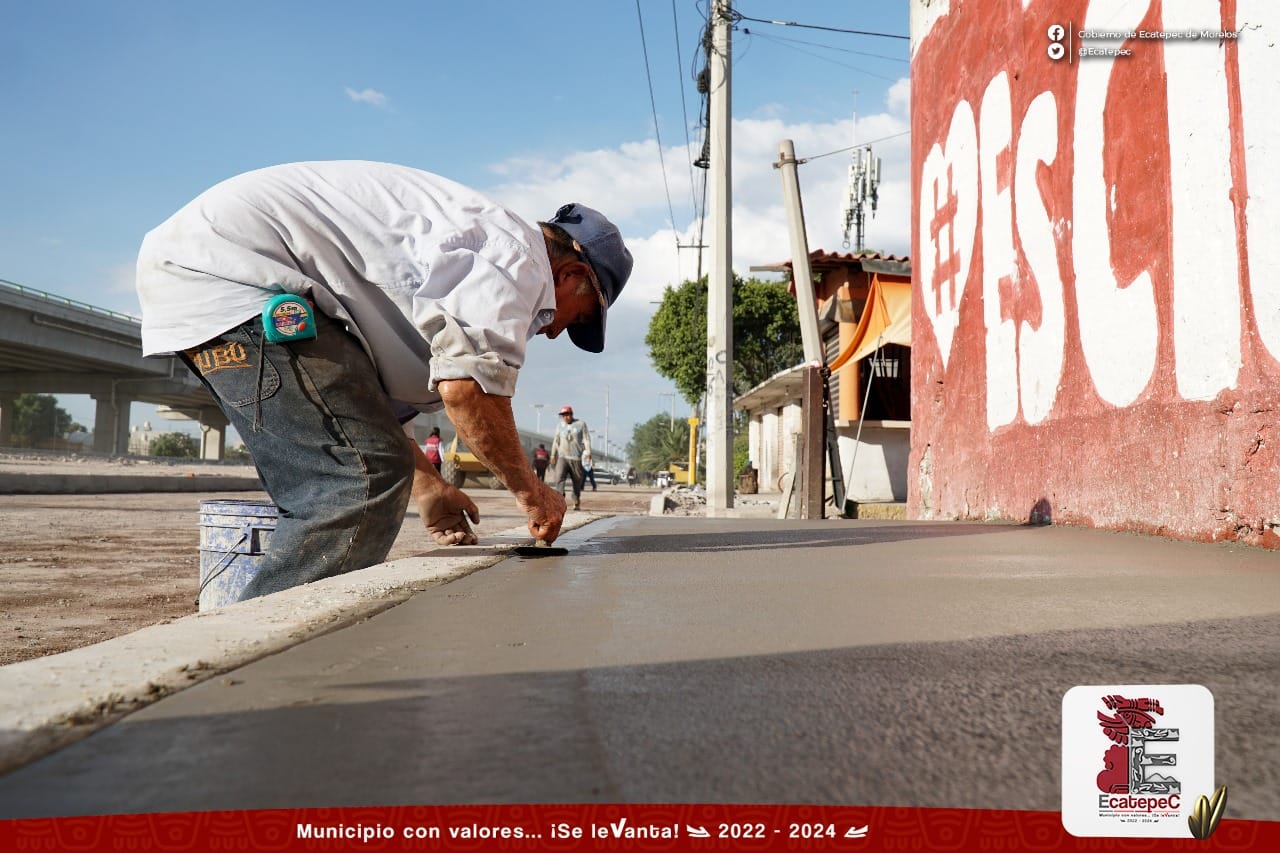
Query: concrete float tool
point(540, 548)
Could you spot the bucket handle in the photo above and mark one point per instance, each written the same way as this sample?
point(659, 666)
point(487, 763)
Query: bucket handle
point(246, 530)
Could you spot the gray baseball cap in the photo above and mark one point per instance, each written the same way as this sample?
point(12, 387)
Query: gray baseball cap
point(600, 244)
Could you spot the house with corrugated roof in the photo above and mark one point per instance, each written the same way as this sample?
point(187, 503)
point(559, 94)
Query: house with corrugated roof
point(864, 315)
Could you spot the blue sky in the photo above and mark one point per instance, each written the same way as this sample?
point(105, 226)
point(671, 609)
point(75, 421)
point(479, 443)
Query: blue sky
point(118, 113)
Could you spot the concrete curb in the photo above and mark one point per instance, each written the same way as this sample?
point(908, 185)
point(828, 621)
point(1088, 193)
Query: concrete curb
point(49, 702)
point(86, 484)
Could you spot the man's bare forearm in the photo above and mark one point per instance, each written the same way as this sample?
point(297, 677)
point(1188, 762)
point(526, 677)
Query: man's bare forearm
point(488, 427)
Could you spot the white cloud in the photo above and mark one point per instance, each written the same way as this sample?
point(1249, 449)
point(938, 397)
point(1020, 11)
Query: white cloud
point(626, 184)
point(367, 96)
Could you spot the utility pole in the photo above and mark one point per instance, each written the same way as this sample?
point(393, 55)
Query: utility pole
point(810, 337)
point(719, 414)
point(672, 395)
point(817, 432)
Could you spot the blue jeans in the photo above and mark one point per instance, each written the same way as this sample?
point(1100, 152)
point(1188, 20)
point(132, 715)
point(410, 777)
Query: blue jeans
point(328, 448)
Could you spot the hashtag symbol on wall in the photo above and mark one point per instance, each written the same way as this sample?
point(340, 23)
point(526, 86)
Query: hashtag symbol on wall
point(944, 270)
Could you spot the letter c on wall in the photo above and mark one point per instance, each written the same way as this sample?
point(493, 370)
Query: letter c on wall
point(1118, 324)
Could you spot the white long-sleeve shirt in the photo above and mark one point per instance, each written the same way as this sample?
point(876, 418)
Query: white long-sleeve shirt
point(436, 281)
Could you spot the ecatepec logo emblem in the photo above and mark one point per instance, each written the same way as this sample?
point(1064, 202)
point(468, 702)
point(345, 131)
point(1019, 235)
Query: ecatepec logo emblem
point(1135, 758)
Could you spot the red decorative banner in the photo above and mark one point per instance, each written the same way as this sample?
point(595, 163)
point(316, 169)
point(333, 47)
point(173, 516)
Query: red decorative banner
point(600, 827)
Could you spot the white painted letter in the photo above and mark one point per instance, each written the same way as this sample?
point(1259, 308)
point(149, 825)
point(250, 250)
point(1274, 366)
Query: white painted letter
point(999, 264)
point(1206, 296)
point(1118, 330)
point(1040, 349)
point(1259, 83)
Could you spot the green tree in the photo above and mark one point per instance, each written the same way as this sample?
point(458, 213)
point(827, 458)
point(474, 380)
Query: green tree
point(37, 417)
point(654, 444)
point(176, 444)
point(766, 334)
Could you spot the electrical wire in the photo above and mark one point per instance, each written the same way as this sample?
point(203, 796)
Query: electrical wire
point(802, 160)
point(684, 109)
point(820, 56)
point(738, 16)
point(833, 47)
point(653, 103)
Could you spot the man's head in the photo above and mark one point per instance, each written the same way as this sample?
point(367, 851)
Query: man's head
point(567, 412)
point(590, 265)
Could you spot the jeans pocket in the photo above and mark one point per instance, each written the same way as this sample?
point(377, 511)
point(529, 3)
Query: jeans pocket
point(231, 364)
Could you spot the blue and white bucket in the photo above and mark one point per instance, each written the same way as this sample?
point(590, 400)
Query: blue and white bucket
point(234, 537)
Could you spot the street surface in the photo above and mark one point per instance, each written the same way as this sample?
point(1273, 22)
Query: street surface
point(694, 660)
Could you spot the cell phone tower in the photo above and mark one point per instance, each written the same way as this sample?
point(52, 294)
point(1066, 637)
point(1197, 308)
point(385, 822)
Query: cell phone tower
point(864, 182)
point(864, 185)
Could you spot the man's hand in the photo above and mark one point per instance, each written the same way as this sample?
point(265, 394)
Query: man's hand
point(545, 508)
point(441, 505)
point(487, 425)
point(441, 511)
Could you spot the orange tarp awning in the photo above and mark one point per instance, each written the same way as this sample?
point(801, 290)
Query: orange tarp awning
point(886, 319)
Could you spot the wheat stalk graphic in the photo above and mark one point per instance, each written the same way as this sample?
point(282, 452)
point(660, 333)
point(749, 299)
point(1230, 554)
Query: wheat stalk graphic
point(1204, 818)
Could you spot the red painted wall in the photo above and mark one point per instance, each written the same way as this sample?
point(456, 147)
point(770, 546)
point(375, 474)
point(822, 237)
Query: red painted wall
point(1097, 298)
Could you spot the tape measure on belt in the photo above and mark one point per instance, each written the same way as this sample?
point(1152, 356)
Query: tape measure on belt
point(288, 318)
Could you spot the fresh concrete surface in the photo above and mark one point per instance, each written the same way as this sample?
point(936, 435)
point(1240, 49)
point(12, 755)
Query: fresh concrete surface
point(48, 702)
point(697, 660)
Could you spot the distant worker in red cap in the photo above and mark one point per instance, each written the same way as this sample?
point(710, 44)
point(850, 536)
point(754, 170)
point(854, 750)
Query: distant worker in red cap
point(325, 304)
point(569, 452)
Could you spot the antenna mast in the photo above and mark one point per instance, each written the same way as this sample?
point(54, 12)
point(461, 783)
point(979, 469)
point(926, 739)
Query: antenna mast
point(864, 185)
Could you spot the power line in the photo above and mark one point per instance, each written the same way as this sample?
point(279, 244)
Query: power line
point(738, 16)
point(684, 110)
point(823, 58)
point(653, 103)
point(851, 147)
point(833, 47)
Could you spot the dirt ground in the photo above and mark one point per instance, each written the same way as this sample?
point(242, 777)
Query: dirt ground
point(79, 569)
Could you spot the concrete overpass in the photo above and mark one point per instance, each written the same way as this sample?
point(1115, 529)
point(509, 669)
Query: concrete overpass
point(53, 345)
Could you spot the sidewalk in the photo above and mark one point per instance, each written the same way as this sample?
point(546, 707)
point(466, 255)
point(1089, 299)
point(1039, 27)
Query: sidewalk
point(671, 660)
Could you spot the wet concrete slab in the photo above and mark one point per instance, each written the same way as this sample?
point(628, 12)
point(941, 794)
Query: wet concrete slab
point(696, 660)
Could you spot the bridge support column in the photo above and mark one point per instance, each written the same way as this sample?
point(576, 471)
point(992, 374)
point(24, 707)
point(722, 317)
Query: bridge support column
point(213, 434)
point(111, 425)
point(6, 419)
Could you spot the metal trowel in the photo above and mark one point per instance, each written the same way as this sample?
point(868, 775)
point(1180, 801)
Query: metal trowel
point(540, 548)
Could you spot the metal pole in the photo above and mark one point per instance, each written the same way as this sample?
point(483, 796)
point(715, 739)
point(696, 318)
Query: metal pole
point(719, 420)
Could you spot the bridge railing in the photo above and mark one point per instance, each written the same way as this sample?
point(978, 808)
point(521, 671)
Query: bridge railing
point(62, 300)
